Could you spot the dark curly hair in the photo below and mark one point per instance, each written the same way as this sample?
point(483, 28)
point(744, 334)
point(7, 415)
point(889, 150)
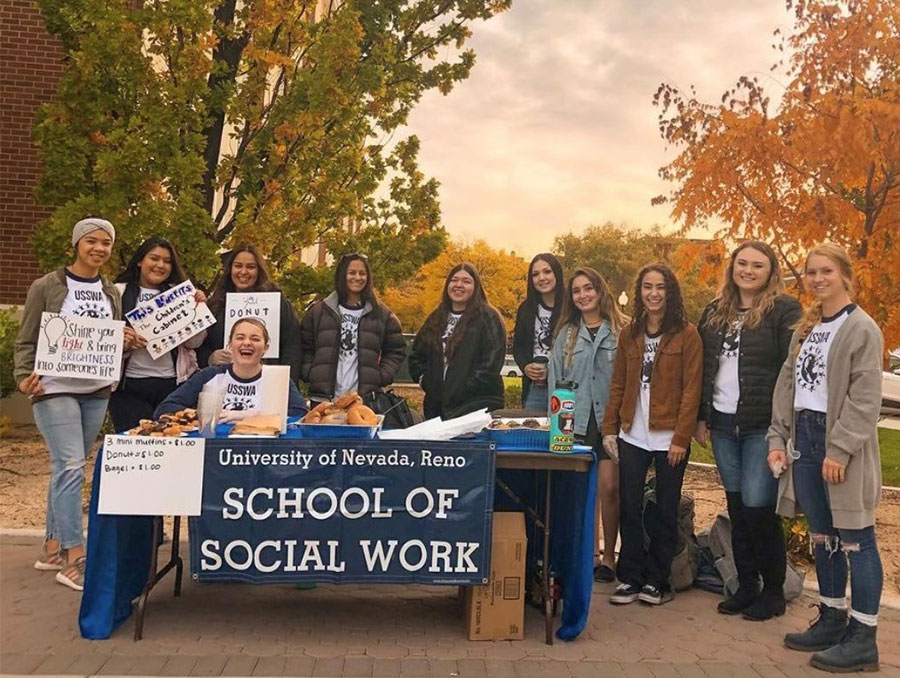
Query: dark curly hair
point(225, 283)
point(132, 272)
point(434, 325)
point(674, 318)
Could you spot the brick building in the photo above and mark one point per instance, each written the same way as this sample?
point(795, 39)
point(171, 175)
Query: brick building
point(31, 62)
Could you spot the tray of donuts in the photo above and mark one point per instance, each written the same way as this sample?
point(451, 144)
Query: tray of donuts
point(346, 417)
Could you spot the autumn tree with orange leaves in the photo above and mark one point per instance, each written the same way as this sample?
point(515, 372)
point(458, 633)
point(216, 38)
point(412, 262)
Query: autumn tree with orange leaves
point(820, 163)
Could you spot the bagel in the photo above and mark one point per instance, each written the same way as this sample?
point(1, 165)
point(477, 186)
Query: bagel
point(321, 407)
point(333, 409)
point(312, 417)
point(360, 415)
point(339, 417)
point(348, 400)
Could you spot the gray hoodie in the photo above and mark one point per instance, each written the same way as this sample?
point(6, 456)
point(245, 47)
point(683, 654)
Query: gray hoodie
point(851, 437)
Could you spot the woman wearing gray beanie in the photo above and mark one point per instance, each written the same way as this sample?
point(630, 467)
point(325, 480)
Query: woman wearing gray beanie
point(68, 412)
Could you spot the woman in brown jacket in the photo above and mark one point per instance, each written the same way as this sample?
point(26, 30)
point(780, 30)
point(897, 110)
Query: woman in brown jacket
point(650, 418)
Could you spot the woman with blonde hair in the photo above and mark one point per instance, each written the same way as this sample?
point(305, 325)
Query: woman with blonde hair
point(746, 332)
point(823, 444)
point(584, 348)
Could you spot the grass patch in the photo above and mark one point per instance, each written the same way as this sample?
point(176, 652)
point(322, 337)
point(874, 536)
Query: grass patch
point(888, 441)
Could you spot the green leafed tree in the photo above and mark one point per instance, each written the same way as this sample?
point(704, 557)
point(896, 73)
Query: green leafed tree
point(262, 121)
point(619, 252)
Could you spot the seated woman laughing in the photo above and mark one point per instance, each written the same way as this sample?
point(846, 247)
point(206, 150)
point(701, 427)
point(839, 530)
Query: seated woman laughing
point(241, 380)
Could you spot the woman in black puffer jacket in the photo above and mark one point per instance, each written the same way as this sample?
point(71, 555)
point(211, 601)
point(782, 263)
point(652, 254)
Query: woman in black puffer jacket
point(350, 341)
point(746, 334)
point(458, 354)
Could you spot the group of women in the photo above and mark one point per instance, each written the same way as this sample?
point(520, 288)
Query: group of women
point(789, 400)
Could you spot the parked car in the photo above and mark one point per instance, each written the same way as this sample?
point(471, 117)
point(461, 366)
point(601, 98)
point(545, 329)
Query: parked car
point(890, 390)
point(510, 368)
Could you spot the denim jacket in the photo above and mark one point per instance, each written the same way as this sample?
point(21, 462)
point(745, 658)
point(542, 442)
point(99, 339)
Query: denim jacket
point(591, 369)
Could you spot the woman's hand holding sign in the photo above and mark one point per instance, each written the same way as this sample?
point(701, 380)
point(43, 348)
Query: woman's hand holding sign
point(31, 385)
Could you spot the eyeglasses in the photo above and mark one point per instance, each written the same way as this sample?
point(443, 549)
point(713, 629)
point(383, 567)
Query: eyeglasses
point(354, 255)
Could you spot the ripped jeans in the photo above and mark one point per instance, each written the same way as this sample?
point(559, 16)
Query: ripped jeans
point(833, 545)
point(70, 425)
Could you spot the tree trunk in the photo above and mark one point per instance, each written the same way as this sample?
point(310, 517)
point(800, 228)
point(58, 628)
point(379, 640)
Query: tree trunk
point(226, 58)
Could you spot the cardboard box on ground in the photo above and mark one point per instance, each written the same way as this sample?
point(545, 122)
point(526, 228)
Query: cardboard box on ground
point(496, 611)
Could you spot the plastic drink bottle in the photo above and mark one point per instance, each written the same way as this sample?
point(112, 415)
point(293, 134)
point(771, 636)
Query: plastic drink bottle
point(562, 417)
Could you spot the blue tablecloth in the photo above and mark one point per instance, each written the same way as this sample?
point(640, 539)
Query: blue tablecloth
point(119, 549)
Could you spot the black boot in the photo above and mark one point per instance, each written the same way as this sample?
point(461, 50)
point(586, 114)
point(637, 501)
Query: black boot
point(744, 558)
point(825, 631)
point(768, 544)
point(857, 651)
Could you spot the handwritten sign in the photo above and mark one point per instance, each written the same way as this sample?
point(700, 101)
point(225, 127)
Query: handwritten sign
point(170, 318)
point(79, 347)
point(144, 476)
point(263, 305)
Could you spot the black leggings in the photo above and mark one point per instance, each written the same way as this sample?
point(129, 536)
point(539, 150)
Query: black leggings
point(137, 398)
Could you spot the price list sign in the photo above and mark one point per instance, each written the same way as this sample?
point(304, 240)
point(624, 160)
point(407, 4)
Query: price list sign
point(147, 476)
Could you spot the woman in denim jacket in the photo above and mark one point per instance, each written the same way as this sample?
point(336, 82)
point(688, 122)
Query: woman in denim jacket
point(584, 347)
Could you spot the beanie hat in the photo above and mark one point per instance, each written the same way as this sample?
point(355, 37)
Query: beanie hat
point(85, 226)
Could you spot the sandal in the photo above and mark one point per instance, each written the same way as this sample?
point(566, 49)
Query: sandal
point(73, 575)
point(49, 562)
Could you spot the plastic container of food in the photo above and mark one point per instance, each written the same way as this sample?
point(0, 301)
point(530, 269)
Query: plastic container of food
point(319, 431)
point(521, 437)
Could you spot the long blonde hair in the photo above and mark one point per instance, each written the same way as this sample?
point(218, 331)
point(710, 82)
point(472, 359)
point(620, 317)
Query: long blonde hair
point(812, 315)
point(728, 300)
point(570, 315)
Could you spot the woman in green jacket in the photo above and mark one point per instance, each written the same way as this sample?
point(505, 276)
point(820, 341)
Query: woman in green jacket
point(823, 444)
point(68, 412)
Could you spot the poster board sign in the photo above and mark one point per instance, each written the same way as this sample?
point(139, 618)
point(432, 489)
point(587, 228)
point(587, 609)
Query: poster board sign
point(145, 476)
point(79, 347)
point(293, 510)
point(263, 305)
point(170, 318)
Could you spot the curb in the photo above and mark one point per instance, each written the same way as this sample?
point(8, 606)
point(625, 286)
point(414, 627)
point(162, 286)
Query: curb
point(28, 537)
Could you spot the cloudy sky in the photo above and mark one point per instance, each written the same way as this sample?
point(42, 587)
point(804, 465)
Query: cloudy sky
point(555, 129)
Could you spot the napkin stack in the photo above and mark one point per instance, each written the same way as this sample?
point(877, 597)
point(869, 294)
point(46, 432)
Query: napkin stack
point(438, 429)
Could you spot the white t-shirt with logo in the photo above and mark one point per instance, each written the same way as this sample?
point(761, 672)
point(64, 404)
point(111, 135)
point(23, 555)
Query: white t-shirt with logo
point(542, 329)
point(140, 364)
point(640, 434)
point(240, 394)
point(84, 298)
point(727, 384)
point(347, 376)
point(811, 367)
point(452, 322)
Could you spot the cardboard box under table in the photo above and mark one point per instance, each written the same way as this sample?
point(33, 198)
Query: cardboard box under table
point(497, 611)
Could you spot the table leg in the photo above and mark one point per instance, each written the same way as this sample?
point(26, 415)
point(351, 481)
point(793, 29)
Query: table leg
point(142, 600)
point(179, 564)
point(545, 575)
point(154, 577)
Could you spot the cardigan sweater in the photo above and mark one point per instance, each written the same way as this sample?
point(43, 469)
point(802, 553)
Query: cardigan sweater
point(851, 435)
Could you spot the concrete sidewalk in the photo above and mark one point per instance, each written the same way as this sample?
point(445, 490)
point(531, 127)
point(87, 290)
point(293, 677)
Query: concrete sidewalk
point(332, 631)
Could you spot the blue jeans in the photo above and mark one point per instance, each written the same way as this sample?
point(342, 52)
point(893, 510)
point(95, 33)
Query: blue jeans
point(741, 457)
point(537, 399)
point(70, 426)
point(833, 545)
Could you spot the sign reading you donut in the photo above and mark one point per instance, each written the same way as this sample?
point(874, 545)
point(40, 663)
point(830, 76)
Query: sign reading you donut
point(265, 306)
point(279, 511)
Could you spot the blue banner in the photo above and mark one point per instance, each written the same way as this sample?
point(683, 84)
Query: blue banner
point(277, 511)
